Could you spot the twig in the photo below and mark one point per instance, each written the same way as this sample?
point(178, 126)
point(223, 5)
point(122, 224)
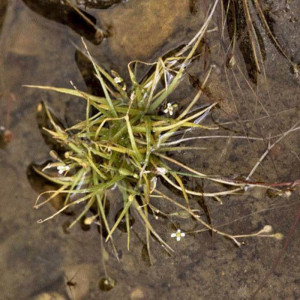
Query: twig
point(269, 149)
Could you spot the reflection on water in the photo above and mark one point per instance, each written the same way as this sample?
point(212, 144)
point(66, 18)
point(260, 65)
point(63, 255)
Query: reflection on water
point(38, 41)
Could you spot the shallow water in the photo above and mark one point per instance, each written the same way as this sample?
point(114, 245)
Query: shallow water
point(42, 258)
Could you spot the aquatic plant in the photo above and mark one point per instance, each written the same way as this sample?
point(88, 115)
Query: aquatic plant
point(124, 144)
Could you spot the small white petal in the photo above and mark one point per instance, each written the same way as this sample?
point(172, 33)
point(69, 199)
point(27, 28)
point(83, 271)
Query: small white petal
point(161, 171)
point(118, 79)
point(173, 235)
point(178, 238)
point(182, 234)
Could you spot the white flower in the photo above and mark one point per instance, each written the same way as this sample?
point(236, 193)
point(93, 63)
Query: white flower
point(178, 235)
point(62, 169)
point(169, 109)
point(118, 80)
point(161, 171)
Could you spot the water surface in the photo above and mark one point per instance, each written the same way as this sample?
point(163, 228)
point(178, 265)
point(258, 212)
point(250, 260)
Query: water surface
point(37, 259)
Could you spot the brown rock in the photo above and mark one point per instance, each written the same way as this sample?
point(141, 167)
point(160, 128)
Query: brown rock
point(137, 294)
point(141, 27)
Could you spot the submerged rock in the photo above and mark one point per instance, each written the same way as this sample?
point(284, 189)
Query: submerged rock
point(49, 296)
point(141, 27)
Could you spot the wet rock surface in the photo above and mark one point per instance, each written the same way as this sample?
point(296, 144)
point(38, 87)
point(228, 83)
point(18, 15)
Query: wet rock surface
point(40, 260)
point(133, 24)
